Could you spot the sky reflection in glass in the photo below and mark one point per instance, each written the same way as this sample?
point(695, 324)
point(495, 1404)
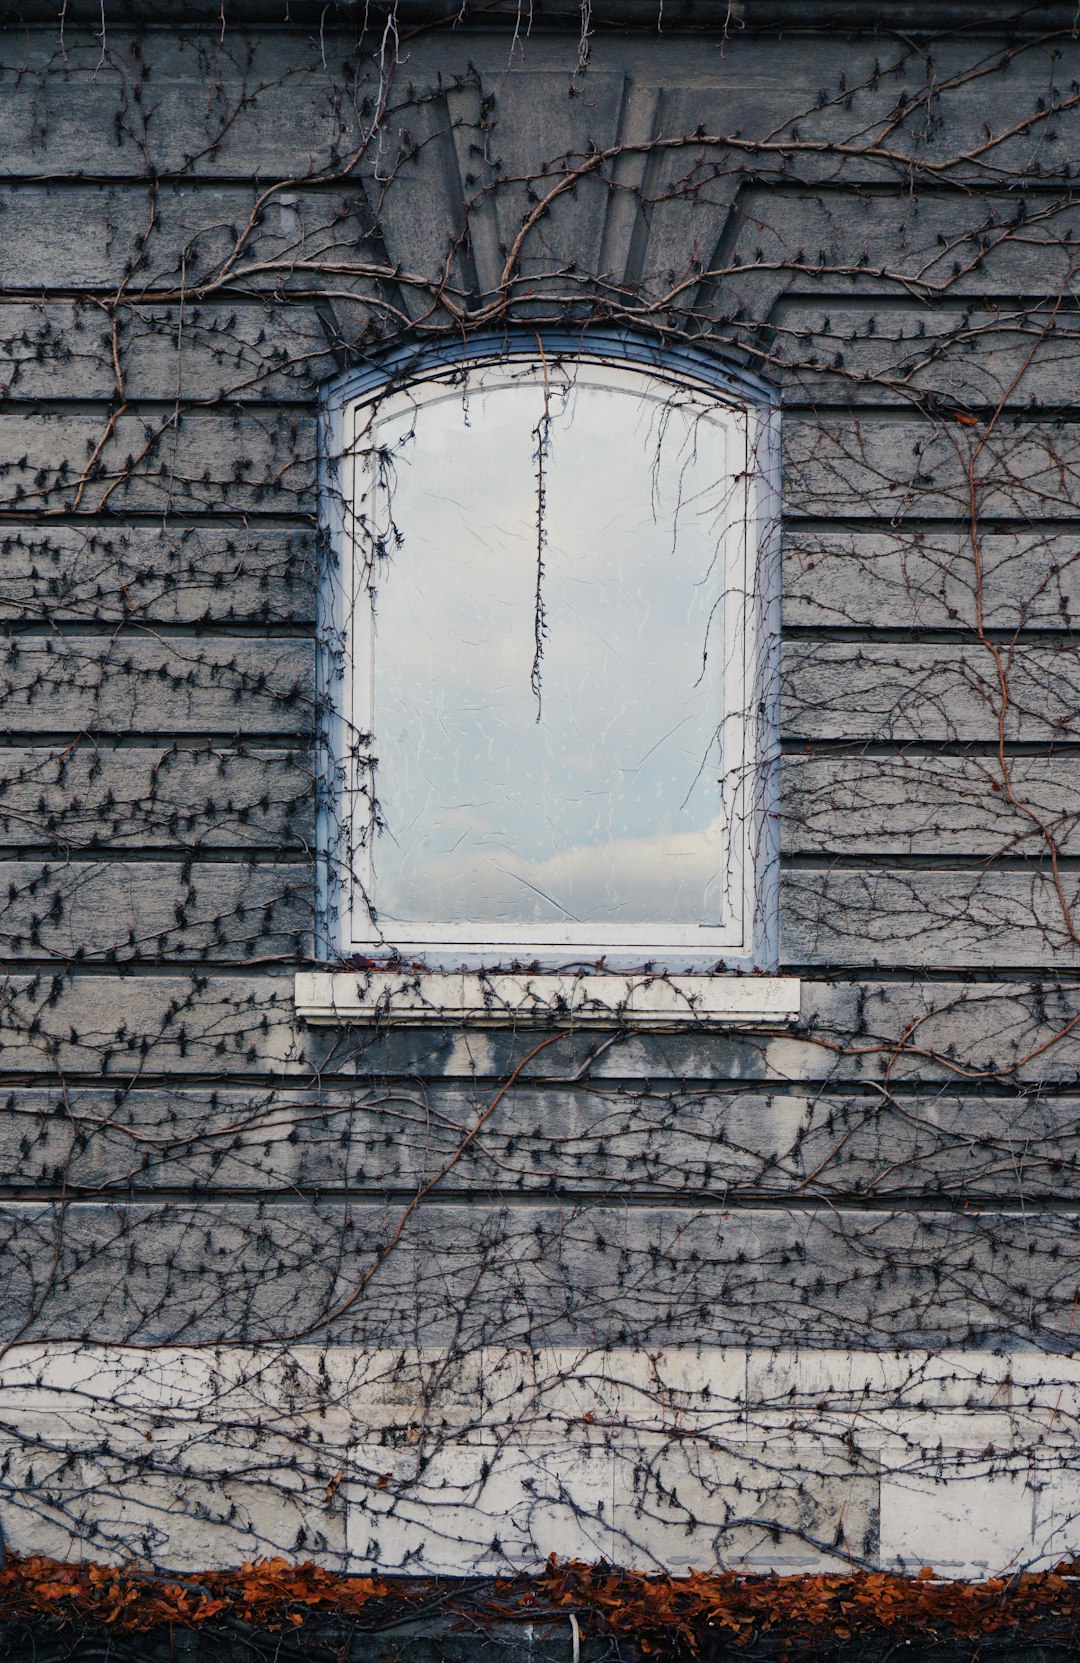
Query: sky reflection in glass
point(596, 802)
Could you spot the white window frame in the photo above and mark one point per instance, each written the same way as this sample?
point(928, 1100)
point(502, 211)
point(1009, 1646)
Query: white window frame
point(465, 971)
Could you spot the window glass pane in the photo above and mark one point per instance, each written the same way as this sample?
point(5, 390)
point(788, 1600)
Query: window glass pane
point(578, 785)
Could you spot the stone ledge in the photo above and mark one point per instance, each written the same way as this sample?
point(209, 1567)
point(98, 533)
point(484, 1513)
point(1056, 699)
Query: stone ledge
point(499, 999)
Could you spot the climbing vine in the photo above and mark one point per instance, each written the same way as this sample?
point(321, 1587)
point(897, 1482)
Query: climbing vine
point(438, 1299)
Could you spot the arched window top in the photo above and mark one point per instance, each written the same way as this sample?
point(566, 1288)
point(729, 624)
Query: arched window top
point(553, 619)
point(681, 363)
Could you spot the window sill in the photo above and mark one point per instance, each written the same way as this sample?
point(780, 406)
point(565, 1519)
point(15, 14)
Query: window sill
point(499, 999)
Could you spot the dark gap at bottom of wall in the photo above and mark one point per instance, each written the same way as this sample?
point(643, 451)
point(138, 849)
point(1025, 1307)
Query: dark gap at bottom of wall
point(448, 1641)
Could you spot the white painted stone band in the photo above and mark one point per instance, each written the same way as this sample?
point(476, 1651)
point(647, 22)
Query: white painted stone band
point(407, 1461)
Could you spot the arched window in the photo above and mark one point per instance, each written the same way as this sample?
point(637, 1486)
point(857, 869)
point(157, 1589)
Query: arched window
point(552, 629)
